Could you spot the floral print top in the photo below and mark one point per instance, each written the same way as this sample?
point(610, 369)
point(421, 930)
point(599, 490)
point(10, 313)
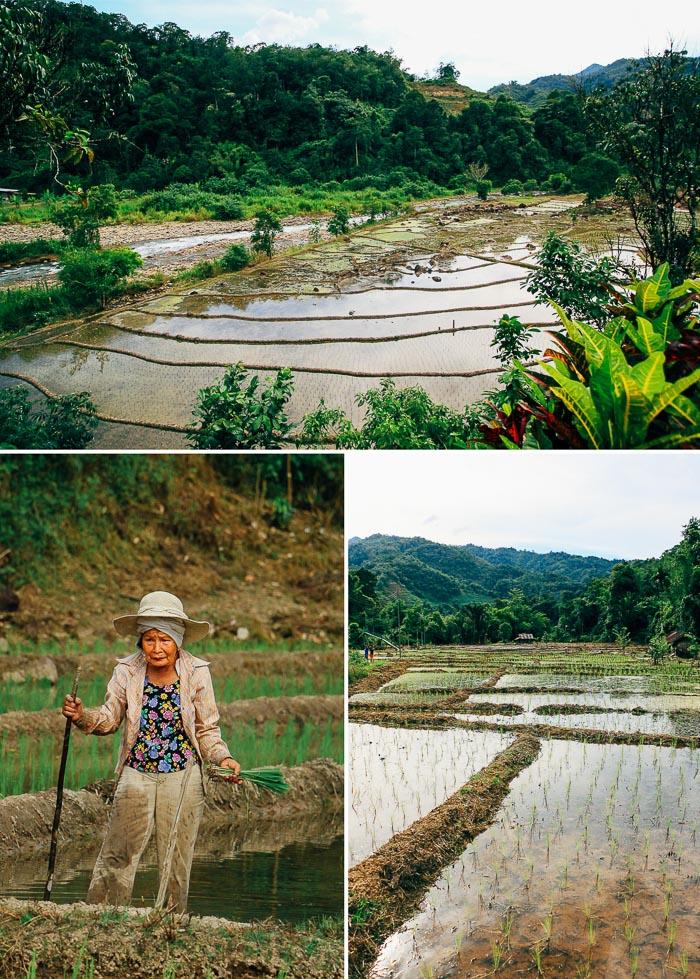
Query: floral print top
point(162, 745)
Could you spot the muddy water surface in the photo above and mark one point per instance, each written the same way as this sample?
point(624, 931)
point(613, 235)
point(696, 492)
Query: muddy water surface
point(301, 880)
point(614, 721)
point(591, 868)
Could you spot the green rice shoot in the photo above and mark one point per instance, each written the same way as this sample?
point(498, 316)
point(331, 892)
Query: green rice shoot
point(270, 779)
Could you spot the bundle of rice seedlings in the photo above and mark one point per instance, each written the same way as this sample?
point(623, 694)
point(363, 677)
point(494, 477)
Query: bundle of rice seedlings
point(264, 778)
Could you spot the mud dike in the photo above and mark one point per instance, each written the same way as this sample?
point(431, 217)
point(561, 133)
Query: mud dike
point(524, 813)
point(415, 300)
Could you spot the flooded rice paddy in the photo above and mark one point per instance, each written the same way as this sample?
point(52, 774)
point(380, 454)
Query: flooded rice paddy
point(590, 864)
point(620, 684)
point(400, 775)
point(416, 299)
point(297, 882)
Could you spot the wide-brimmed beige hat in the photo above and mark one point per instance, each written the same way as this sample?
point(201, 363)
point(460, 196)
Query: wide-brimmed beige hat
point(161, 605)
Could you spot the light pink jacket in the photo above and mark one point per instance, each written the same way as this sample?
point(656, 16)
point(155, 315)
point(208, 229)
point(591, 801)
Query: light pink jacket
point(124, 697)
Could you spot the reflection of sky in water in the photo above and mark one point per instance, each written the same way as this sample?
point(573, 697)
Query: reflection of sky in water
point(620, 701)
point(574, 825)
point(449, 352)
point(376, 302)
point(398, 776)
point(231, 328)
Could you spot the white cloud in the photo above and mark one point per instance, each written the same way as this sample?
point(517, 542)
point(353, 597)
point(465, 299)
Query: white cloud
point(626, 505)
point(285, 27)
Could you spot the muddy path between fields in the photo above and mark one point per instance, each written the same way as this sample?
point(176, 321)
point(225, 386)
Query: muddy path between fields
point(316, 793)
point(389, 885)
point(113, 944)
point(303, 709)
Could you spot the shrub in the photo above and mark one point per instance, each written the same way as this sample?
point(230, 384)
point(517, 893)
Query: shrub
point(483, 189)
point(235, 258)
point(232, 416)
point(266, 228)
point(512, 187)
point(62, 423)
point(228, 208)
point(90, 276)
point(339, 224)
point(530, 185)
point(559, 183)
point(572, 279)
point(630, 385)
point(81, 214)
point(403, 418)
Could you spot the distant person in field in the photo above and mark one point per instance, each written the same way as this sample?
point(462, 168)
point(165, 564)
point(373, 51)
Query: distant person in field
point(371, 654)
point(165, 699)
point(366, 652)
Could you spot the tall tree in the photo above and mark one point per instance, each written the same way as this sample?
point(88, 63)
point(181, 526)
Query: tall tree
point(650, 123)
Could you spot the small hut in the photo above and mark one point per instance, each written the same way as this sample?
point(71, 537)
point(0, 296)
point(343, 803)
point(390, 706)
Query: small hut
point(680, 644)
point(524, 638)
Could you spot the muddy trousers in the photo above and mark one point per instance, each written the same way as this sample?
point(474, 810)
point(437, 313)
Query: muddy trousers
point(144, 802)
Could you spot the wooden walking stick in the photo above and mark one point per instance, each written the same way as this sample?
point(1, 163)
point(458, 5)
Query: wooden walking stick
point(59, 796)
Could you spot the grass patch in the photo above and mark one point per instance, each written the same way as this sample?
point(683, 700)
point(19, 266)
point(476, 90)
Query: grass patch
point(291, 745)
point(31, 306)
point(14, 252)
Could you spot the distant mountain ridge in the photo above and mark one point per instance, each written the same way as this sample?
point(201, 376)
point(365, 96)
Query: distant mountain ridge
point(458, 574)
point(535, 92)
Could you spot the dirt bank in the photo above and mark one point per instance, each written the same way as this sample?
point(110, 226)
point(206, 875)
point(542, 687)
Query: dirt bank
point(25, 820)
point(279, 662)
point(279, 710)
point(113, 944)
point(386, 887)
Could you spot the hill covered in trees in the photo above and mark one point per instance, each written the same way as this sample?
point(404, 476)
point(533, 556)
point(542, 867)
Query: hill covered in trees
point(163, 106)
point(534, 93)
point(441, 573)
point(409, 589)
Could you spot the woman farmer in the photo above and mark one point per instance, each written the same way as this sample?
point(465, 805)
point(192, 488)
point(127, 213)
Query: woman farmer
point(165, 698)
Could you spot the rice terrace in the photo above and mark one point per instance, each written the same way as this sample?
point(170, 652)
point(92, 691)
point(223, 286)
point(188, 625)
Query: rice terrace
point(415, 299)
point(525, 811)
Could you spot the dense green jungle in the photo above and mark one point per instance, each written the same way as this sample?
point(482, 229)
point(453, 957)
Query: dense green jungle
point(413, 590)
point(105, 125)
point(163, 106)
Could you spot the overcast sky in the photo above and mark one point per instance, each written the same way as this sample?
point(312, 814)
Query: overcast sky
point(614, 505)
point(489, 45)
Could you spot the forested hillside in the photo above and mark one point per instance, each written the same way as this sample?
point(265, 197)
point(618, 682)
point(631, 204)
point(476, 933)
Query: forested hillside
point(162, 106)
point(534, 93)
point(401, 588)
point(243, 540)
point(463, 573)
